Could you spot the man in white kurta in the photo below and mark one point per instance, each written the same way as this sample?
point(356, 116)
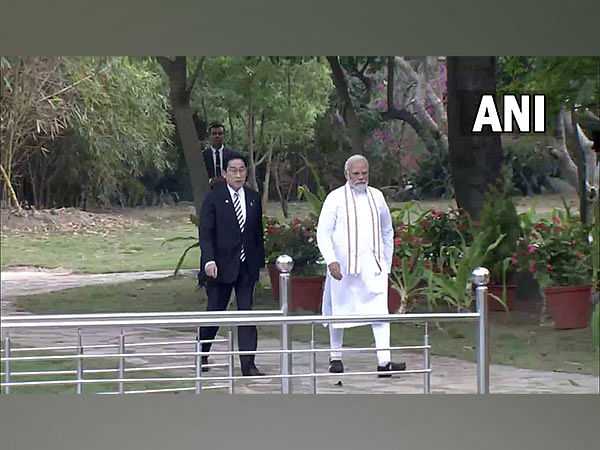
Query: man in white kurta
point(355, 237)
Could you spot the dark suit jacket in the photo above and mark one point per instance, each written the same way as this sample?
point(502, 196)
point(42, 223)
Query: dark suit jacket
point(221, 238)
point(208, 160)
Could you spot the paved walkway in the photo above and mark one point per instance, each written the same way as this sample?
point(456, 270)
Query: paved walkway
point(450, 375)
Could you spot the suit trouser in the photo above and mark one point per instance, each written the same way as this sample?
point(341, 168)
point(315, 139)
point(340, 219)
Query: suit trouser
point(218, 299)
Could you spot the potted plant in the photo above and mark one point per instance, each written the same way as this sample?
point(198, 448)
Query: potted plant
point(298, 240)
point(408, 263)
point(499, 216)
point(450, 281)
point(557, 253)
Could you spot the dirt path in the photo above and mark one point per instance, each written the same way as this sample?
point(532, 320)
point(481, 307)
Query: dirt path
point(449, 375)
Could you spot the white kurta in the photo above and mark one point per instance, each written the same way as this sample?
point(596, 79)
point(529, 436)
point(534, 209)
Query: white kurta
point(365, 291)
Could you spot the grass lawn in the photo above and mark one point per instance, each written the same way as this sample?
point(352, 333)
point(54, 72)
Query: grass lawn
point(516, 338)
point(138, 249)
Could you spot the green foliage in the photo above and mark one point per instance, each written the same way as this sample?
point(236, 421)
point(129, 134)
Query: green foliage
point(566, 81)
point(499, 217)
point(596, 325)
point(528, 165)
point(452, 284)
point(555, 251)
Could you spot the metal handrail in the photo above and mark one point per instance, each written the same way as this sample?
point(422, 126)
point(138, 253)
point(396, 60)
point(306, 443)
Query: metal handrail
point(260, 320)
point(279, 317)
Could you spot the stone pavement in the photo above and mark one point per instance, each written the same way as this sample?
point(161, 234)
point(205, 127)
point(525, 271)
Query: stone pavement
point(449, 375)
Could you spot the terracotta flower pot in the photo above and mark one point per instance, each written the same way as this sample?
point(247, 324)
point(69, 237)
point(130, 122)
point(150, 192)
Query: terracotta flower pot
point(393, 300)
point(307, 292)
point(570, 306)
point(496, 289)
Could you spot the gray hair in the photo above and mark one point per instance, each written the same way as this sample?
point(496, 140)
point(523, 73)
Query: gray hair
point(352, 160)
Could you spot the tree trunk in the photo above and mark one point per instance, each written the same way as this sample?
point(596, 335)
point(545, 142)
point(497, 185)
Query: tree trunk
point(265, 196)
point(476, 159)
point(179, 96)
point(251, 157)
point(282, 198)
point(10, 189)
point(341, 87)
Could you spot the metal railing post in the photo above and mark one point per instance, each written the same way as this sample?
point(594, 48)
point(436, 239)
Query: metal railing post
point(7, 365)
point(481, 277)
point(198, 363)
point(285, 264)
point(231, 360)
point(79, 362)
point(426, 363)
point(121, 361)
point(313, 360)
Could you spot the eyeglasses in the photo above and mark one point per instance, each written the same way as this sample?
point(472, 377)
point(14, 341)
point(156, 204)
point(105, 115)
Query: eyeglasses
point(241, 170)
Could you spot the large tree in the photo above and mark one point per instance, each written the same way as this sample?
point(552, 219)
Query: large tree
point(181, 85)
point(476, 159)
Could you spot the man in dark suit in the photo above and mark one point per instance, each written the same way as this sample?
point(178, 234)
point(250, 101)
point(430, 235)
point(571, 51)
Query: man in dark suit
point(231, 242)
point(216, 154)
point(214, 157)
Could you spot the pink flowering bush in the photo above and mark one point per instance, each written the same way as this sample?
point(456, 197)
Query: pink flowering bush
point(297, 239)
point(554, 251)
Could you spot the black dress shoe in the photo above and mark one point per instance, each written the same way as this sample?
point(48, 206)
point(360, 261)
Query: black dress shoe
point(336, 366)
point(204, 364)
point(252, 372)
point(391, 366)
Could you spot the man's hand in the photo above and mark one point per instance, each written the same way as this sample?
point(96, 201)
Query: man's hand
point(211, 270)
point(335, 270)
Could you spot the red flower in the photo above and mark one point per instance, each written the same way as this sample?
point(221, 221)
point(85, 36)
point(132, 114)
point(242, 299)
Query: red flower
point(436, 269)
point(532, 266)
point(395, 261)
point(579, 256)
point(531, 249)
point(426, 223)
point(540, 226)
point(514, 260)
point(428, 265)
point(559, 229)
point(414, 239)
point(550, 267)
point(555, 219)
point(534, 236)
point(397, 242)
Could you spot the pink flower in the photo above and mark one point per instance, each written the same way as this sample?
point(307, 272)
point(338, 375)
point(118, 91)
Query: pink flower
point(559, 229)
point(395, 261)
point(397, 242)
point(531, 249)
point(555, 219)
point(532, 266)
point(550, 267)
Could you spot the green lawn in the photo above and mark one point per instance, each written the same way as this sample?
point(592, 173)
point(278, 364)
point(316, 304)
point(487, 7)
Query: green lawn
point(516, 340)
point(138, 249)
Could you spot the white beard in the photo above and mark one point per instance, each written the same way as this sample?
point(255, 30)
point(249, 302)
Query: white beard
point(359, 187)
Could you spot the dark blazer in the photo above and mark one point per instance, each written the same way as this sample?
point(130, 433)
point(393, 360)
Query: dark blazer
point(208, 160)
point(221, 238)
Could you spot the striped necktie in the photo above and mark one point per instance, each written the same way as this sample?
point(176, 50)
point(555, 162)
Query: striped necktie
point(240, 217)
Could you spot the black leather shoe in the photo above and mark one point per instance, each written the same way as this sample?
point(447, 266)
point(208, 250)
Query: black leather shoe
point(252, 372)
point(204, 364)
point(391, 366)
point(336, 366)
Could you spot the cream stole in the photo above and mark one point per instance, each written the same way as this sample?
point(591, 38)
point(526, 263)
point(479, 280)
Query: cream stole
point(353, 228)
